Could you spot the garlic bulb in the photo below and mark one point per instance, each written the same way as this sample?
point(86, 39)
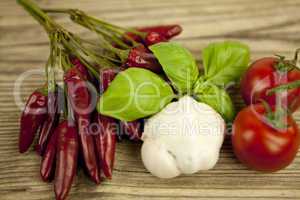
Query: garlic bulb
point(185, 137)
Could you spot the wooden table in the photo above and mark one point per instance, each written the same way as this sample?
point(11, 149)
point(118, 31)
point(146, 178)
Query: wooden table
point(268, 27)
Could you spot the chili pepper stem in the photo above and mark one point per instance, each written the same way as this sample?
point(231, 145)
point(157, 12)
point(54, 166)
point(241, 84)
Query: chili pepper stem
point(83, 20)
point(58, 10)
point(54, 59)
point(77, 16)
point(115, 28)
point(38, 14)
point(68, 41)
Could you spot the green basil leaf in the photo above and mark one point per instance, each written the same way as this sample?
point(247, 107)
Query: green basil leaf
point(135, 93)
point(215, 97)
point(225, 62)
point(178, 64)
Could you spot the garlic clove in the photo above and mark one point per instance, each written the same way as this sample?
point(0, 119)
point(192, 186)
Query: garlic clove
point(158, 160)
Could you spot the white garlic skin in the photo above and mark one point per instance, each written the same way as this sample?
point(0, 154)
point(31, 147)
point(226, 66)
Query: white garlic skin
point(185, 137)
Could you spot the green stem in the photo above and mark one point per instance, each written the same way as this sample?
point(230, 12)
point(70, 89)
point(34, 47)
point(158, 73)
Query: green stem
point(58, 10)
point(65, 62)
point(46, 70)
point(77, 42)
point(54, 59)
point(112, 37)
point(67, 40)
point(296, 56)
point(287, 86)
point(67, 106)
point(115, 28)
point(77, 16)
point(269, 112)
point(50, 27)
point(296, 60)
point(122, 54)
point(105, 59)
point(276, 117)
point(82, 58)
point(34, 10)
point(279, 113)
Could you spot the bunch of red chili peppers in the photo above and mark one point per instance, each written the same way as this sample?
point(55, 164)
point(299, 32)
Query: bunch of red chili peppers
point(68, 128)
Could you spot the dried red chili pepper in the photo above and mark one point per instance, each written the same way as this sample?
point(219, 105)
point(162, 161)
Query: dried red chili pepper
point(156, 34)
point(106, 77)
point(47, 169)
point(106, 143)
point(153, 38)
point(137, 56)
point(132, 129)
point(106, 137)
point(66, 158)
point(88, 149)
point(167, 31)
point(81, 68)
point(80, 99)
point(49, 125)
point(33, 116)
point(140, 56)
point(84, 71)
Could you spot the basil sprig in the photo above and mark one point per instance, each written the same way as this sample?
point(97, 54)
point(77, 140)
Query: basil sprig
point(135, 93)
point(178, 64)
point(225, 62)
point(215, 97)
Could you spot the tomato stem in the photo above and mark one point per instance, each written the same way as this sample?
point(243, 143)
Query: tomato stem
point(276, 117)
point(295, 60)
point(296, 55)
point(287, 86)
point(287, 65)
point(279, 113)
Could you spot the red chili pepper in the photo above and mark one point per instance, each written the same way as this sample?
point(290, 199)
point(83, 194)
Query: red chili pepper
point(80, 98)
point(81, 68)
point(83, 71)
point(49, 125)
point(48, 162)
point(153, 38)
point(87, 143)
point(106, 144)
point(132, 129)
point(32, 118)
point(107, 134)
point(140, 56)
point(167, 31)
point(66, 159)
point(156, 34)
point(106, 77)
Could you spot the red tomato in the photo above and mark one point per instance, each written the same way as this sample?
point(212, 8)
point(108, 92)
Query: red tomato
point(259, 145)
point(263, 75)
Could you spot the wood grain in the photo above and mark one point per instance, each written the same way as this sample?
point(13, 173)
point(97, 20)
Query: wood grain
point(268, 27)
